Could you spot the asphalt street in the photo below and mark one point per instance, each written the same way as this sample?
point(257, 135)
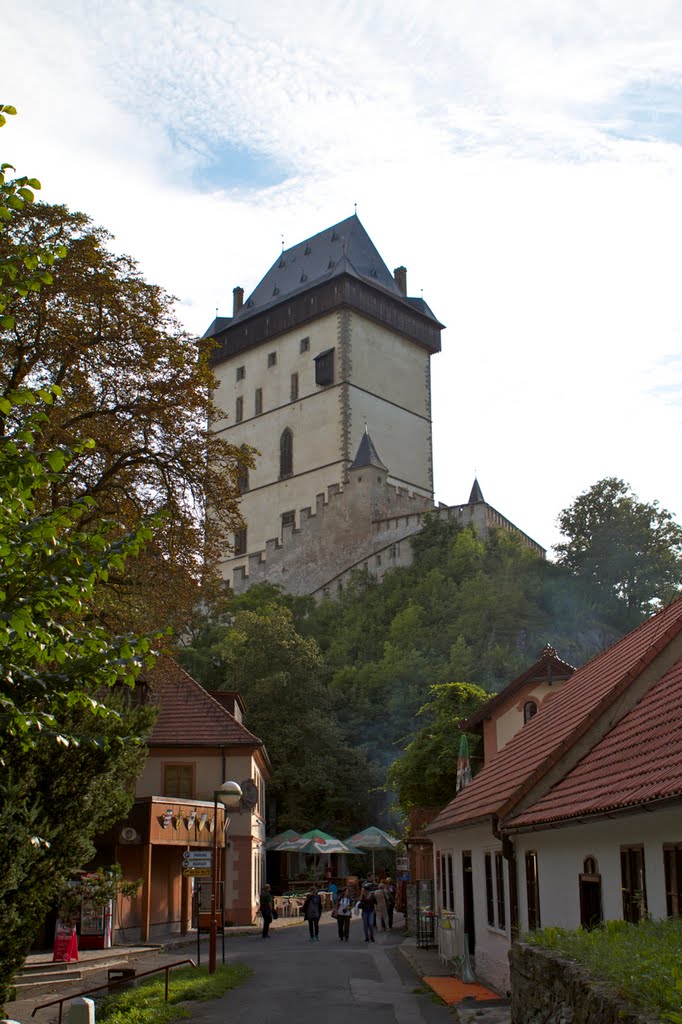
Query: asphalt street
point(300, 982)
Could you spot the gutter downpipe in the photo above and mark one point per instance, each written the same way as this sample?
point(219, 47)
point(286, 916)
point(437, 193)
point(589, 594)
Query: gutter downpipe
point(509, 854)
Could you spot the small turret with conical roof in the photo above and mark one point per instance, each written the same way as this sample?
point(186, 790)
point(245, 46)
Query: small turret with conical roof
point(476, 496)
point(367, 454)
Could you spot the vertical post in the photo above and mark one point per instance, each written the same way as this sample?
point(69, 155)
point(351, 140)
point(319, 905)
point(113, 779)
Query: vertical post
point(213, 930)
point(146, 892)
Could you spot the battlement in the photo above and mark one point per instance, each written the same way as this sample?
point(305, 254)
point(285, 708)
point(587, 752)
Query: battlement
point(365, 525)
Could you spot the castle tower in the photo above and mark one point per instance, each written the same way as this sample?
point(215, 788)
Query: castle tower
point(326, 345)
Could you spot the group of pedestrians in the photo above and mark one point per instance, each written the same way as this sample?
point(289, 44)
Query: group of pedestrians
point(375, 908)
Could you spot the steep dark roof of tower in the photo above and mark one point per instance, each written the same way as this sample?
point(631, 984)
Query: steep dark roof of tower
point(344, 248)
point(367, 455)
point(476, 495)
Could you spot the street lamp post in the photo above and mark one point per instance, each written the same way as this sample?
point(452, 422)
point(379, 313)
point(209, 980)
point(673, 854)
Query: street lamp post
point(229, 795)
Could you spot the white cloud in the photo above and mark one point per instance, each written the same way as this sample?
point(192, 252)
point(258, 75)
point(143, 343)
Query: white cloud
point(490, 147)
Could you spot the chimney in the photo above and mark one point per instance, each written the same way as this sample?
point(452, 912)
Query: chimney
point(400, 275)
point(237, 299)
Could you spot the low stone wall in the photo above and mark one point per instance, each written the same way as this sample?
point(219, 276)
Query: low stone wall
point(550, 989)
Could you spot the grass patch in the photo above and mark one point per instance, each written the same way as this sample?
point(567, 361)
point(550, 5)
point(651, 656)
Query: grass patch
point(641, 963)
point(146, 1004)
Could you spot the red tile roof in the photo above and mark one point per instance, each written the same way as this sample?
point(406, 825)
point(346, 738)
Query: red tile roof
point(549, 668)
point(189, 716)
point(638, 762)
point(560, 722)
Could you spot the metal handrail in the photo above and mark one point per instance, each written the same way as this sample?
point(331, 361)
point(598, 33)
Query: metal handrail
point(110, 984)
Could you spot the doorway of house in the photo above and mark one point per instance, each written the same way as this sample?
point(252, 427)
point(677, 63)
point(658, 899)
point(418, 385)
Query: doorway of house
point(468, 900)
point(590, 894)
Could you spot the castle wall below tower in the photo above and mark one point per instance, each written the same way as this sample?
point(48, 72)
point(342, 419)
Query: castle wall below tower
point(365, 526)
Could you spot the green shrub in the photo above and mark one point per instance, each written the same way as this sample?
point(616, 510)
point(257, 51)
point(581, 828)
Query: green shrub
point(641, 963)
point(146, 1004)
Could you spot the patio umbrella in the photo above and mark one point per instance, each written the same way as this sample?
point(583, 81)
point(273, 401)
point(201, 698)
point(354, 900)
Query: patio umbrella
point(315, 842)
point(373, 839)
point(273, 842)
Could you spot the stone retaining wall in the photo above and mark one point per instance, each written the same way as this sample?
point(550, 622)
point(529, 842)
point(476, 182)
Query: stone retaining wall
point(550, 989)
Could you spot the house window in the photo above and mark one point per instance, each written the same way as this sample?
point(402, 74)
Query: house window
point(324, 368)
point(672, 861)
point(178, 781)
point(240, 542)
point(294, 387)
point(305, 345)
point(489, 897)
point(530, 708)
point(258, 403)
point(241, 372)
point(239, 410)
point(288, 519)
point(272, 359)
point(590, 894)
point(450, 902)
point(633, 883)
point(532, 890)
point(500, 904)
point(286, 454)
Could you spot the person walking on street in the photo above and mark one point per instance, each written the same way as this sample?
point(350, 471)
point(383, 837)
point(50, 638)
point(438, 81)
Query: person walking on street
point(382, 906)
point(368, 905)
point(390, 900)
point(344, 911)
point(312, 912)
point(266, 910)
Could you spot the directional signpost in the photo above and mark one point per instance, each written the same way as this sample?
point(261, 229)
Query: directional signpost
point(197, 863)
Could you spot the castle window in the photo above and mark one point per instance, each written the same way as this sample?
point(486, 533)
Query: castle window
point(259, 401)
point(324, 368)
point(239, 409)
point(378, 559)
point(294, 387)
point(243, 477)
point(286, 454)
point(241, 372)
point(240, 542)
point(305, 345)
point(288, 519)
point(272, 359)
point(530, 708)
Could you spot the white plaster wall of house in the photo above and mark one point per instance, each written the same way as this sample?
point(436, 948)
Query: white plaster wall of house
point(511, 720)
point(492, 943)
point(562, 853)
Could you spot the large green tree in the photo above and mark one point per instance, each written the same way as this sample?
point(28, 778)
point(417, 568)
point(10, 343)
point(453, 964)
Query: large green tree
point(321, 776)
point(627, 548)
point(424, 775)
point(69, 744)
point(135, 382)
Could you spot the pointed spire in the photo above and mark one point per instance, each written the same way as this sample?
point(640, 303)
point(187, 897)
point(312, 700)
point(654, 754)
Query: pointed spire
point(367, 454)
point(476, 496)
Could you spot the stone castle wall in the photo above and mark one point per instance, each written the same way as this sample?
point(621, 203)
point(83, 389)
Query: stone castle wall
point(366, 525)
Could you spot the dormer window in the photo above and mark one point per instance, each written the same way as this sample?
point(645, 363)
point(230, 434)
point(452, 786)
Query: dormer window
point(530, 709)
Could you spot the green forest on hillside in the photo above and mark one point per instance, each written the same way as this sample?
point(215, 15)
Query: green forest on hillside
point(339, 690)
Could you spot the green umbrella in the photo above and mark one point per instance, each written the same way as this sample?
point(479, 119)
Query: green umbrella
point(373, 838)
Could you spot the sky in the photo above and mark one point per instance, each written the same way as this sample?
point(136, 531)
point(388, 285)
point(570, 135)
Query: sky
point(523, 161)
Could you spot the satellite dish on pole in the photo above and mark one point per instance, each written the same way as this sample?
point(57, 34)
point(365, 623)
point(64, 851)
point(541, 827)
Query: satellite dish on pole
point(249, 792)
